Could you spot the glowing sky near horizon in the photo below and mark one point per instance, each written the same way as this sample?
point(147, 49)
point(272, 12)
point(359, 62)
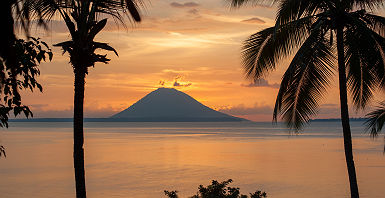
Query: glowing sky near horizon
point(193, 46)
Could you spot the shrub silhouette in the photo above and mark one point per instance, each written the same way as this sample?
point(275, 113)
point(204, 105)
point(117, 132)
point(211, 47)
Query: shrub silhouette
point(171, 194)
point(218, 190)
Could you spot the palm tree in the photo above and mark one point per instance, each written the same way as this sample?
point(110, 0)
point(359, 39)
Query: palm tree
point(323, 33)
point(84, 20)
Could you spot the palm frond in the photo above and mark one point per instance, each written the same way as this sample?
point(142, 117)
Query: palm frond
point(365, 4)
point(375, 22)
point(67, 46)
point(365, 65)
point(262, 50)
point(95, 29)
point(21, 17)
point(376, 119)
point(2, 151)
point(365, 58)
point(305, 81)
point(104, 46)
point(133, 9)
point(291, 10)
point(44, 10)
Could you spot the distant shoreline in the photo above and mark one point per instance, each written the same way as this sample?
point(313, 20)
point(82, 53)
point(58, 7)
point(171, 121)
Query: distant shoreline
point(133, 120)
point(339, 120)
point(165, 120)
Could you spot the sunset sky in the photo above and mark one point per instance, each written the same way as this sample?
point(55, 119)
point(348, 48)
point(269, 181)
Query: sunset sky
point(193, 46)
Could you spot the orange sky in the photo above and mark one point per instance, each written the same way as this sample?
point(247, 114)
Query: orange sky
point(196, 43)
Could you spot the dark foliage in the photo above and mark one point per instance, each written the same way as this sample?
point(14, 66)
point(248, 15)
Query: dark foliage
point(18, 62)
point(218, 190)
point(308, 29)
point(171, 194)
point(21, 75)
point(376, 119)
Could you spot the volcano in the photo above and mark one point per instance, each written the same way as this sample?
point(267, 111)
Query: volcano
point(171, 105)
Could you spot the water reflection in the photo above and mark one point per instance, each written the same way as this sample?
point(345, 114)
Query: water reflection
point(143, 159)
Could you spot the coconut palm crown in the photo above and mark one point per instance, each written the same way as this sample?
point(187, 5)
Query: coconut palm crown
point(82, 18)
point(310, 28)
point(328, 37)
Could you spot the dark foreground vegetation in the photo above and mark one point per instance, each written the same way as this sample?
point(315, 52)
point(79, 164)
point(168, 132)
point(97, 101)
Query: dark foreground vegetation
point(19, 60)
point(218, 190)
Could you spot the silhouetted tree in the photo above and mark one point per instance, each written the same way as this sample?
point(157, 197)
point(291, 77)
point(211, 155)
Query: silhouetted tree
point(84, 20)
point(18, 63)
point(21, 74)
point(323, 32)
point(218, 190)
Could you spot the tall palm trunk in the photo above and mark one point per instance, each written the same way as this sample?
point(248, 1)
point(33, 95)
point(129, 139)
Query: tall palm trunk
point(78, 133)
point(345, 116)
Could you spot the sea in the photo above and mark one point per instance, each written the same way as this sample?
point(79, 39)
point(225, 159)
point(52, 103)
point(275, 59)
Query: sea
point(142, 159)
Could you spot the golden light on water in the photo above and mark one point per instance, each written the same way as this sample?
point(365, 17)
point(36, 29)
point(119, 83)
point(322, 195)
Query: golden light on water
point(142, 160)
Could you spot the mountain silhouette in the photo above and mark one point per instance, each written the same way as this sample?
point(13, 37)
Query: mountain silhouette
point(171, 105)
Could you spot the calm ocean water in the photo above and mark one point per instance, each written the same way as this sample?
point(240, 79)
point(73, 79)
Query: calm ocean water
point(143, 159)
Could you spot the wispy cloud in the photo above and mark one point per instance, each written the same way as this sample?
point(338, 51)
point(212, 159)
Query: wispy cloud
point(181, 84)
point(261, 83)
point(246, 110)
point(43, 111)
point(178, 84)
point(177, 81)
point(184, 5)
point(254, 20)
point(193, 11)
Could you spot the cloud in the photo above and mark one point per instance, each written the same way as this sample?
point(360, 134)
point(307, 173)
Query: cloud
point(89, 112)
point(178, 84)
point(264, 112)
point(191, 4)
point(193, 11)
point(244, 110)
point(184, 5)
point(174, 79)
point(172, 74)
point(261, 83)
point(254, 20)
